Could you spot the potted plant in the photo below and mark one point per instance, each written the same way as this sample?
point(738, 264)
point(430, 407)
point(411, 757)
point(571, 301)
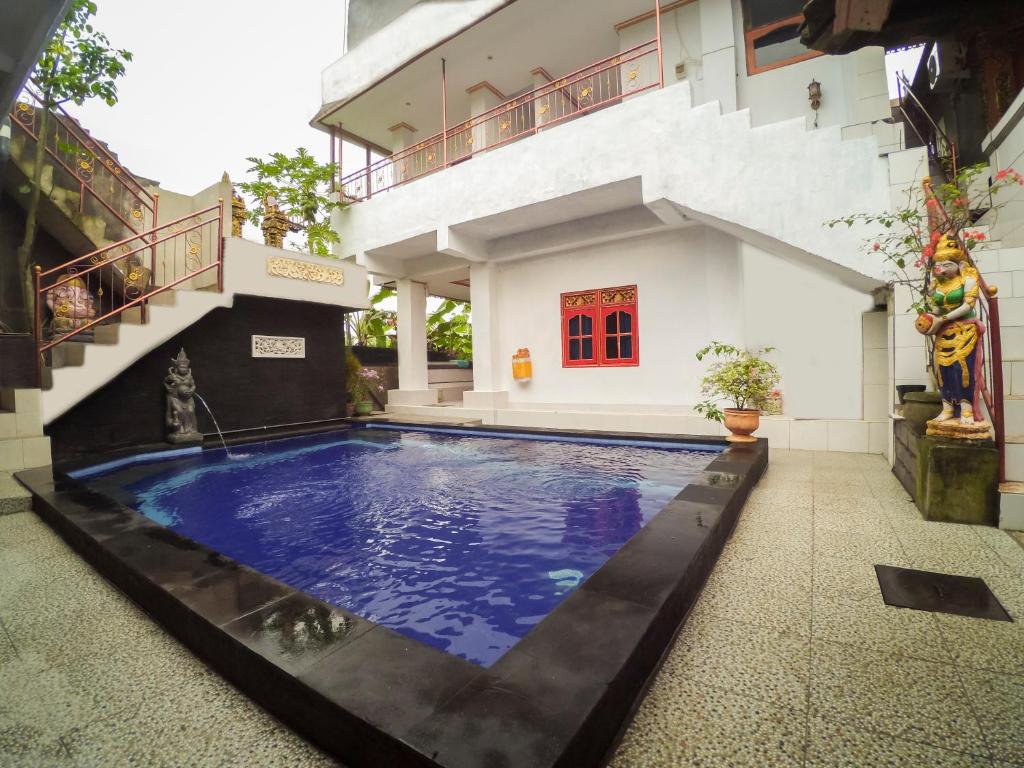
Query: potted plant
point(366, 380)
point(743, 377)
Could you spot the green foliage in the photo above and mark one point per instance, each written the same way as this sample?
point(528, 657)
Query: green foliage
point(79, 63)
point(370, 327)
point(742, 376)
point(449, 329)
point(301, 186)
point(352, 369)
point(904, 240)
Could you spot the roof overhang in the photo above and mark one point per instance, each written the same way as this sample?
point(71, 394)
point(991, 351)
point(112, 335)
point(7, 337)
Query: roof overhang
point(26, 28)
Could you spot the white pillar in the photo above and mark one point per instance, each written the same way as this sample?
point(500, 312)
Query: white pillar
point(412, 346)
point(403, 135)
point(482, 97)
point(488, 357)
point(718, 61)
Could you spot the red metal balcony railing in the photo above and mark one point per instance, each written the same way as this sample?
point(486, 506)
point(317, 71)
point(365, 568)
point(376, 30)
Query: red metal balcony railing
point(597, 85)
point(95, 288)
point(105, 187)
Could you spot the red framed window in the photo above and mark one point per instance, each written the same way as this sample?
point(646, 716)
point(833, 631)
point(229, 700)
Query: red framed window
point(771, 32)
point(599, 328)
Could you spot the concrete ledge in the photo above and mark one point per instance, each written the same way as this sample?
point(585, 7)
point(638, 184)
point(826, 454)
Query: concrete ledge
point(482, 399)
point(412, 397)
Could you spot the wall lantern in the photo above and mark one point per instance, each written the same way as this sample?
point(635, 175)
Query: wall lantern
point(814, 95)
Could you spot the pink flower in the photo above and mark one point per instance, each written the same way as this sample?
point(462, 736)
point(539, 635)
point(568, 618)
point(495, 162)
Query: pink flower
point(921, 262)
point(876, 246)
point(1002, 175)
point(928, 251)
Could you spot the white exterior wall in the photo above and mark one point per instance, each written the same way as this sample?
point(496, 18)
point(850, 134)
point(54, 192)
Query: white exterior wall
point(694, 285)
point(815, 324)
point(1005, 149)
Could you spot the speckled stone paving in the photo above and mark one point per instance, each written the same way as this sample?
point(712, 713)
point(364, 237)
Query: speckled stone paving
point(789, 658)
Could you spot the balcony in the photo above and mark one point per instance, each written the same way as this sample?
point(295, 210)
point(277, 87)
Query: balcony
point(420, 96)
point(593, 87)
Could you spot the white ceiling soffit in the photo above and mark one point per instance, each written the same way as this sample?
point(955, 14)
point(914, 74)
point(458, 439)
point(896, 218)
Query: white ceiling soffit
point(417, 30)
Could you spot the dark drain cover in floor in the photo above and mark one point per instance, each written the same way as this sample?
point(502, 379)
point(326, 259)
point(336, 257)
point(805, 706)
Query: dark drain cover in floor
point(939, 593)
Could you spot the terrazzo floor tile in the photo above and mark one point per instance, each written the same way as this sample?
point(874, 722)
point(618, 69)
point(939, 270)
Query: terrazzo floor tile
point(34, 546)
point(872, 625)
point(996, 646)
point(682, 723)
point(22, 526)
point(840, 578)
point(876, 547)
point(909, 699)
point(1000, 542)
point(763, 665)
point(791, 499)
point(778, 607)
point(999, 702)
point(838, 745)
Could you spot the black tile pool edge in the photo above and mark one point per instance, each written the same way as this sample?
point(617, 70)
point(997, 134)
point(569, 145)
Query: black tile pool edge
point(561, 696)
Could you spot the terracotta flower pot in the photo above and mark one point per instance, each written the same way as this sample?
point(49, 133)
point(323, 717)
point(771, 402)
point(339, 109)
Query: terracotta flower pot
point(742, 422)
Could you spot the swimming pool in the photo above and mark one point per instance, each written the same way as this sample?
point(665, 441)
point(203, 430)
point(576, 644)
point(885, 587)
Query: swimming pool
point(462, 542)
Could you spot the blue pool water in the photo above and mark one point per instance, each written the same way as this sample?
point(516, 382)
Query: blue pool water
point(464, 543)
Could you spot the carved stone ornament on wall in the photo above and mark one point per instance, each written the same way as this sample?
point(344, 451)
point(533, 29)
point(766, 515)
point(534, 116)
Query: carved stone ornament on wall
point(304, 270)
point(278, 346)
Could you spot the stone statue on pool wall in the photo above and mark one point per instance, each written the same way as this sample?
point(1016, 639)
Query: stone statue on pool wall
point(181, 407)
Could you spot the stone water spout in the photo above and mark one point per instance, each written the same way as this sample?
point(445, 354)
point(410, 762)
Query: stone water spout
point(180, 415)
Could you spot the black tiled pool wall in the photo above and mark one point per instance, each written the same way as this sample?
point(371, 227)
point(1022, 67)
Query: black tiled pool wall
point(559, 697)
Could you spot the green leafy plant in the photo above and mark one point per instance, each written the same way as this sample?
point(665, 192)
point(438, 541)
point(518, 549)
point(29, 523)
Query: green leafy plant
point(301, 186)
point(905, 240)
point(352, 369)
point(449, 329)
point(77, 64)
point(741, 376)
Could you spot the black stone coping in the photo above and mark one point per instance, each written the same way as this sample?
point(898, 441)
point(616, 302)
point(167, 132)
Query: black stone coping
point(562, 696)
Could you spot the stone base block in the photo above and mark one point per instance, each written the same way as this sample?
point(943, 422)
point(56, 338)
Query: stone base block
point(958, 480)
point(475, 398)
point(412, 397)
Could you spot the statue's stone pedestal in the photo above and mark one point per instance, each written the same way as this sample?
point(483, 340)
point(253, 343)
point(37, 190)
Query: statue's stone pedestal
point(186, 439)
point(957, 480)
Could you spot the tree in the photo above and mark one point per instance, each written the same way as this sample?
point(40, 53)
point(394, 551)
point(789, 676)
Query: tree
point(449, 329)
point(301, 186)
point(77, 64)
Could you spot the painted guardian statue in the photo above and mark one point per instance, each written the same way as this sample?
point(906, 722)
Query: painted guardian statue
point(181, 407)
point(958, 355)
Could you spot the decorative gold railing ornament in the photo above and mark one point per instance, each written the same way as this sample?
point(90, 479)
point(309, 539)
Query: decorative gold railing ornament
point(238, 213)
point(275, 224)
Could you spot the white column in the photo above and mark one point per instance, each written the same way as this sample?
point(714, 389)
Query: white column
point(488, 357)
point(718, 63)
point(412, 346)
point(482, 97)
point(403, 135)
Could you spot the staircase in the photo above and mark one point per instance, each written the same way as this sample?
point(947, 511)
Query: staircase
point(146, 280)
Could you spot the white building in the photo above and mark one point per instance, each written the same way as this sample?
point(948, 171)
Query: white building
point(572, 163)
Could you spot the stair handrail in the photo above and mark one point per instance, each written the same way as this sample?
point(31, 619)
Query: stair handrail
point(904, 90)
point(94, 148)
point(186, 231)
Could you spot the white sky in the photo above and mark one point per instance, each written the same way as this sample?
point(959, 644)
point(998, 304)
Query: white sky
point(214, 82)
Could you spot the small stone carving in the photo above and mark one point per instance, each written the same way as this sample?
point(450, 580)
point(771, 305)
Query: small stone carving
point(181, 407)
point(278, 346)
point(304, 270)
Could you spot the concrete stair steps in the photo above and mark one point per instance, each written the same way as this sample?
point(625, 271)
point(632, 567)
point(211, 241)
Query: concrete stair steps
point(1011, 506)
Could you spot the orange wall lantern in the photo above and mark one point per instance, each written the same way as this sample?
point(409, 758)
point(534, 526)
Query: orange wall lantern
point(522, 368)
